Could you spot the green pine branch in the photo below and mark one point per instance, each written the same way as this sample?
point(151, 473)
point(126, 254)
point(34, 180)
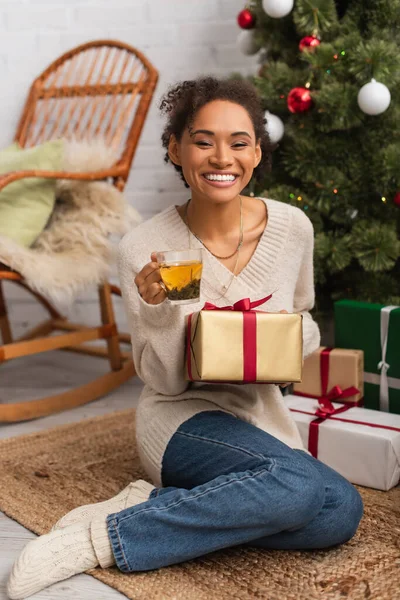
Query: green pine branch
point(315, 16)
point(337, 164)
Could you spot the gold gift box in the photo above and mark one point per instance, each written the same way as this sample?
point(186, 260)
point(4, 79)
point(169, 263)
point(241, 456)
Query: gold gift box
point(346, 369)
point(215, 347)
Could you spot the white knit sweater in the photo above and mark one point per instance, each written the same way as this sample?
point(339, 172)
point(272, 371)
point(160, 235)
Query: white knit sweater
point(282, 261)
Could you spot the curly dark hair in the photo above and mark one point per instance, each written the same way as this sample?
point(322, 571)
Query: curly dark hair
point(182, 102)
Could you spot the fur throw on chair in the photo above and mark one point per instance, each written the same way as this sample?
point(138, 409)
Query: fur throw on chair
point(76, 250)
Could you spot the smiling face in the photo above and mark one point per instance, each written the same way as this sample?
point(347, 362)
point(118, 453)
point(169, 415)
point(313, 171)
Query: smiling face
point(219, 151)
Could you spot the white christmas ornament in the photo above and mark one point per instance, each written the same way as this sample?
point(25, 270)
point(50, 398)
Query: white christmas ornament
point(373, 98)
point(247, 43)
point(277, 8)
point(274, 126)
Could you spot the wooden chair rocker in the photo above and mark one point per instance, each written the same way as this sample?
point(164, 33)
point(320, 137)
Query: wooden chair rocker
point(102, 88)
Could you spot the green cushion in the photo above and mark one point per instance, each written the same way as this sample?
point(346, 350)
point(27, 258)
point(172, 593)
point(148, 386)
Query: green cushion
point(26, 204)
point(12, 148)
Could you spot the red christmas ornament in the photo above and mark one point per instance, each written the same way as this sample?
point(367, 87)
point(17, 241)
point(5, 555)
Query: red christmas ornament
point(396, 199)
point(246, 19)
point(309, 42)
point(299, 100)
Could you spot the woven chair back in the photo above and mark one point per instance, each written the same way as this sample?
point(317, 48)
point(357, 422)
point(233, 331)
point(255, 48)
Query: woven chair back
point(101, 89)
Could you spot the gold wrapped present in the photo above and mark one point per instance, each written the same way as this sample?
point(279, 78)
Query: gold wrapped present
point(335, 373)
point(236, 344)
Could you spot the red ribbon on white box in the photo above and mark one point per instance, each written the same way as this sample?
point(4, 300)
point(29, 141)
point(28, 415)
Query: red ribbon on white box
point(325, 411)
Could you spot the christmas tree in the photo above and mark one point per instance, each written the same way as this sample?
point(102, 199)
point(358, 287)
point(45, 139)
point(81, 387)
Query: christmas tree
point(337, 153)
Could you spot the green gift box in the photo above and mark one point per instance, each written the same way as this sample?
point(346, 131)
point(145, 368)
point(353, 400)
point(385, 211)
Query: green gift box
point(375, 329)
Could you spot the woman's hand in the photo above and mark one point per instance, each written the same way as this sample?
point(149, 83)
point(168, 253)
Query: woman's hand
point(149, 283)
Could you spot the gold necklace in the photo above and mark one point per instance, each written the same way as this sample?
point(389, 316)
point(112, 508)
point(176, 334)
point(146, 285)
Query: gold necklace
point(224, 287)
point(201, 241)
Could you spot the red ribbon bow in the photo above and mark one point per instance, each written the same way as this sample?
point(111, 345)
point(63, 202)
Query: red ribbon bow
point(336, 393)
point(249, 335)
point(326, 409)
point(243, 305)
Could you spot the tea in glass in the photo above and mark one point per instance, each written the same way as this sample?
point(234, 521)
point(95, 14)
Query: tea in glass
point(181, 274)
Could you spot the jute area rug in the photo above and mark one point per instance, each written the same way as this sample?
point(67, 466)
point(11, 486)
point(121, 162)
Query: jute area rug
point(44, 475)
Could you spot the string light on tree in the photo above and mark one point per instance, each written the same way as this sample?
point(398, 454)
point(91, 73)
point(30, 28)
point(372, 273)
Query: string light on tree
point(396, 199)
point(299, 198)
point(299, 100)
point(374, 98)
point(277, 8)
point(310, 42)
point(246, 19)
point(247, 43)
point(274, 126)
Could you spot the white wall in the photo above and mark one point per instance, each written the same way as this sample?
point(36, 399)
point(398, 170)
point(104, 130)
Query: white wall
point(183, 38)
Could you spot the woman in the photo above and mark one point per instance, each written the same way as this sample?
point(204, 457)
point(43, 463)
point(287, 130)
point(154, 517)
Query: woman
point(227, 460)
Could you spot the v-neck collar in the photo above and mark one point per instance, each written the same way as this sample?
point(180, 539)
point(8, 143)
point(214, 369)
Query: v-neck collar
point(262, 261)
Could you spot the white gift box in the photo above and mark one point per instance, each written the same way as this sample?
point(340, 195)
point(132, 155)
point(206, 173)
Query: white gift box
point(365, 455)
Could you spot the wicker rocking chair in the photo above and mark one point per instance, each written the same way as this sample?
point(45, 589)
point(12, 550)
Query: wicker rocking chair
point(102, 88)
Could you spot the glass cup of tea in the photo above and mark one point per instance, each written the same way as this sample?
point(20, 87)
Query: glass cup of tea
point(181, 274)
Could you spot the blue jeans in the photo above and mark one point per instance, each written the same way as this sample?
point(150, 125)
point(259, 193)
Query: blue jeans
point(227, 482)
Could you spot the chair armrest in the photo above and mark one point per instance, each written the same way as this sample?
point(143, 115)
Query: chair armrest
point(89, 176)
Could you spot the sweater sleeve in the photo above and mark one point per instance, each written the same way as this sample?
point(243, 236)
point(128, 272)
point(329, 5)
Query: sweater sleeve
point(157, 332)
point(304, 295)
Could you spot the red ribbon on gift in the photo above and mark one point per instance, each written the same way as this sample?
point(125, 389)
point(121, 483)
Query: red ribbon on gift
point(325, 411)
point(249, 335)
point(336, 393)
point(244, 305)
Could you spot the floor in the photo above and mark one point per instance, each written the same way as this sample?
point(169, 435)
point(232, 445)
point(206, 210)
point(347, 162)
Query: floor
point(43, 375)
point(46, 374)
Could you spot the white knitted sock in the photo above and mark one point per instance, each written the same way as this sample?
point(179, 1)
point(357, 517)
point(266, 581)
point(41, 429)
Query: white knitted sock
point(135, 493)
point(101, 542)
point(54, 557)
